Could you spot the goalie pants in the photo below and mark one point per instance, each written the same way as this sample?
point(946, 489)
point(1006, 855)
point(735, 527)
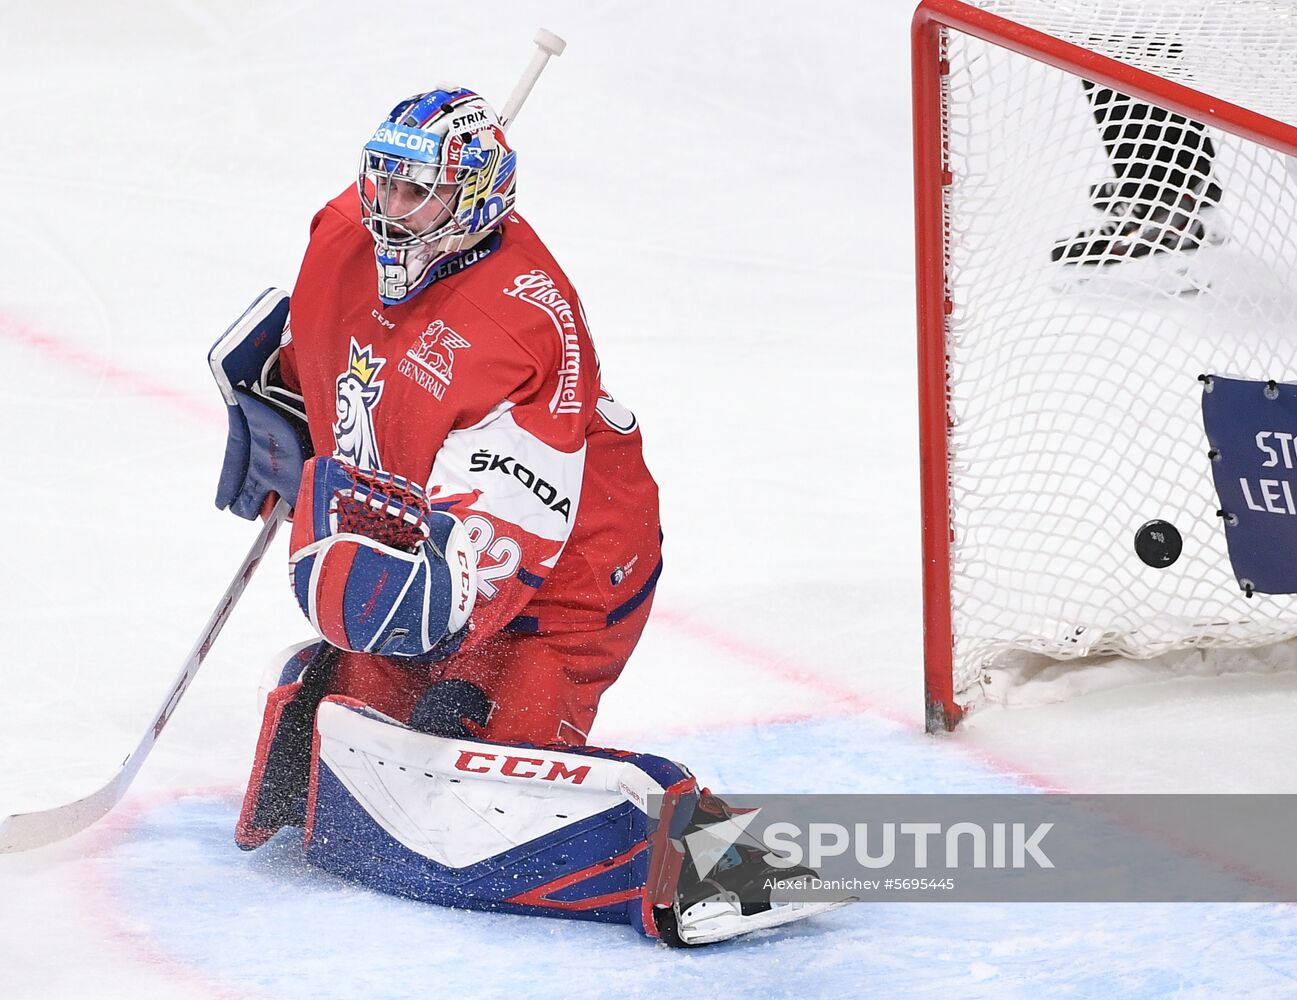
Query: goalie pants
point(543, 688)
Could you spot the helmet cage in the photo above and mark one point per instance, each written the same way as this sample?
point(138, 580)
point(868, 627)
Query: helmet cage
point(393, 230)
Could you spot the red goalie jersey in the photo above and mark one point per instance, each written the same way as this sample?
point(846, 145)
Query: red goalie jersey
point(486, 387)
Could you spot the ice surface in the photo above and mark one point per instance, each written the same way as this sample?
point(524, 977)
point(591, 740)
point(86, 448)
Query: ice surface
point(728, 186)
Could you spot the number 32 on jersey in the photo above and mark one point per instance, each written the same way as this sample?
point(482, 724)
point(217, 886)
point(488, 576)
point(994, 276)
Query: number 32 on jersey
point(497, 558)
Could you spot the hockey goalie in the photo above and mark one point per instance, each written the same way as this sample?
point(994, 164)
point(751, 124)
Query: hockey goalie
point(476, 544)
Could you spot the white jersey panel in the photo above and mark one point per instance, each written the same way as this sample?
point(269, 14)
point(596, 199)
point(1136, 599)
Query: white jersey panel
point(522, 479)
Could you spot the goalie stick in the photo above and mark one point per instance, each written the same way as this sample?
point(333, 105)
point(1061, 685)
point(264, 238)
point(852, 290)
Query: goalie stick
point(47, 826)
point(549, 44)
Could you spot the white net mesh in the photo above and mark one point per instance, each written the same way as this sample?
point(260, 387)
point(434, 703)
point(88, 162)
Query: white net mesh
point(1241, 51)
point(1073, 381)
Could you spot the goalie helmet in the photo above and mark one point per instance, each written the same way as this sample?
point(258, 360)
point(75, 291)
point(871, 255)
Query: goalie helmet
point(435, 179)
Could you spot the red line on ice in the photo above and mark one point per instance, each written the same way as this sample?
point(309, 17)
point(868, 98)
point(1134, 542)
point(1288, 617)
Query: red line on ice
point(96, 884)
point(97, 365)
point(842, 698)
point(777, 666)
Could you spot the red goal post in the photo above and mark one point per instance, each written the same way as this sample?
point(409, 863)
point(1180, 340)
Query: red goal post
point(935, 23)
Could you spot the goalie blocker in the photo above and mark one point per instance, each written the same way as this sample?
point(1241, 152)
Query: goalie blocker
point(268, 437)
point(584, 833)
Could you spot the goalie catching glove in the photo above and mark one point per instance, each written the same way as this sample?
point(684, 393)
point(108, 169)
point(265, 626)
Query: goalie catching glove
point(375, 569)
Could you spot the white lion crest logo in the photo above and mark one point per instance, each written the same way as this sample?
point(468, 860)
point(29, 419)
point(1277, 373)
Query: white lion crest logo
point(359, 390)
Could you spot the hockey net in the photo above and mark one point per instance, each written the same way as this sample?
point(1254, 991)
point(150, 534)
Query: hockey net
point(1060, 401)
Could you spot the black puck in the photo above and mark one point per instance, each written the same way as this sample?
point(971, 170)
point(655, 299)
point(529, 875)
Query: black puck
point(1158, 543)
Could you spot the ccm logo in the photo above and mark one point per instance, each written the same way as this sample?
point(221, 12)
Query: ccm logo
point(465, 579)
point(520, 767)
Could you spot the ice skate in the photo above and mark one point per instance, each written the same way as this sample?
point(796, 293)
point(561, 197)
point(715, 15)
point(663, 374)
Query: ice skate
point(1173, 222)
point(740, 894)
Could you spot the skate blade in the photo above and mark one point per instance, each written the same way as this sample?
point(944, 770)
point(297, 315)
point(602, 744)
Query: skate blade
point(1147, 276)
point(1174, 273)
point(712, 920)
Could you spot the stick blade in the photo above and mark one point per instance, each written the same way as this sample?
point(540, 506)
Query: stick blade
point(27, 831)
